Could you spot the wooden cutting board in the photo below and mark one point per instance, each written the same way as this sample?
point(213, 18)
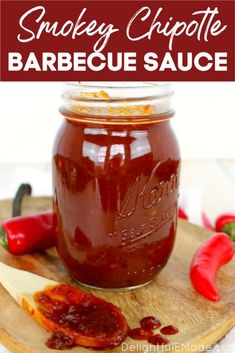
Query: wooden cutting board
point(170, 297)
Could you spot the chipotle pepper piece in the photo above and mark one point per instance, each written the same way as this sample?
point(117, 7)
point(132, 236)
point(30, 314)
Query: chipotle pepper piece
point(226, 223)
point(212, 254)
point(25, 234)
point(80, 318)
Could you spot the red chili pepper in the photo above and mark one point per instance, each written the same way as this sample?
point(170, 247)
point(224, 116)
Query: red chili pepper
point(182, 214)
point(226, 223)
point(25, 234)
point(211, 255)
point(206, 222)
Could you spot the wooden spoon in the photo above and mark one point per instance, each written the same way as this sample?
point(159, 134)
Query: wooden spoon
point(22, 285)
point(99, 324)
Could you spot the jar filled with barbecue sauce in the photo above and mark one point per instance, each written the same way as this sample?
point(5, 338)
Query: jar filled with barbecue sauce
point(116, 166)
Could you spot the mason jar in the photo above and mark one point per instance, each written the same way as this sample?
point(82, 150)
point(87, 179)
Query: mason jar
point(116, 166)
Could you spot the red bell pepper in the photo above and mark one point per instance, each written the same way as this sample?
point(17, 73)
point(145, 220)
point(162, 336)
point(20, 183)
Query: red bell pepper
point(25, 234)
point(226, 223)
point(211, 255)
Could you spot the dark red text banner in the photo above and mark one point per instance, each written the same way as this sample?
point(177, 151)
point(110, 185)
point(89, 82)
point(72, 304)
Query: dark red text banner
point(117, 40)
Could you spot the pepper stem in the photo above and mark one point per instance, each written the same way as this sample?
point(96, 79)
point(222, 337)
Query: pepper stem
point(3, 238)
point(229, 228)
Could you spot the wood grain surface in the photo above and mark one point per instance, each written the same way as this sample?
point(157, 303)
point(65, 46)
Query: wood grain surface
point(169, 297)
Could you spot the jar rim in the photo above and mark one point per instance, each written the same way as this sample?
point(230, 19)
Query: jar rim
point(118, 100)
point(119, 90)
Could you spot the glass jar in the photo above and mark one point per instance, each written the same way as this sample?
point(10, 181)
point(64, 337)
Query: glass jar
point(116, 166)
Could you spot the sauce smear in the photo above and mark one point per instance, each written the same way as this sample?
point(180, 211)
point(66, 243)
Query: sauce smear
point(169, 330)
point(140, 333)
point(78, 318)
point(150, 323)
point(59, 341)
point(158, 340)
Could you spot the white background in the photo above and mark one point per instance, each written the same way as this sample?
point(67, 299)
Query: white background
point(29, 119)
